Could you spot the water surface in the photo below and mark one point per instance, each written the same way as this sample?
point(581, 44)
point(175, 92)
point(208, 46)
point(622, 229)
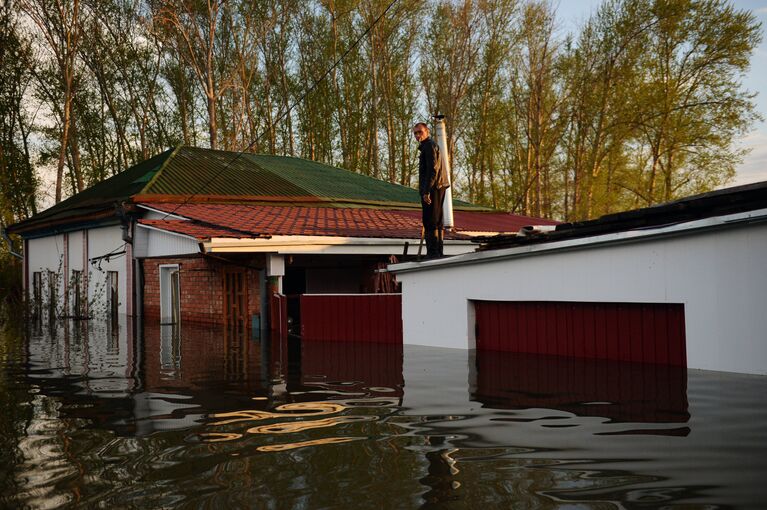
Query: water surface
point(196, 417)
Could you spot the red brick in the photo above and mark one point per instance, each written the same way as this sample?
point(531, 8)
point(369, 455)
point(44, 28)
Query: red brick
point(201, 289)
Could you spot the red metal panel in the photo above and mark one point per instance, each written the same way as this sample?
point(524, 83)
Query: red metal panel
point(637, 336)
point(650, 314)
point(514, 316)
point(352, 318)
point(505, 334)
point(531, 318)
point(552, 326)
point(492, 327)
point(523, 316)
point(622, 337)
point(611, 331)
point(634, 332)
point(589, 318)
point(676, 353)
point(372, 322)
point(342, 329)
point(536, 319)
point(561, 329)
point(569, 333)
point(577, 329)
point(600, 332)
point(660, 325)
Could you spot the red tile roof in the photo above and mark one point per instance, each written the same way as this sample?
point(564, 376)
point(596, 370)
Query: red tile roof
point(235, 220)
point(193, 229)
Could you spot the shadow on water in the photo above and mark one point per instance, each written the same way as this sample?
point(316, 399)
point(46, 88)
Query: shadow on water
point(95, 414)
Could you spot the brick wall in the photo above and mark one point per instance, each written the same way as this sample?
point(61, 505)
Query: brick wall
point(201, 282)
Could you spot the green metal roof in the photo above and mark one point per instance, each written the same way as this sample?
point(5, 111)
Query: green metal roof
point(115, 189)
point(195, 171)
point(186, 171)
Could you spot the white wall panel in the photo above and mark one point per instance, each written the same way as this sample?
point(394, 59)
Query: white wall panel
point(719, 275)
point(155, 243)
point(102, 241)
point(76, 251)
point(47, 254)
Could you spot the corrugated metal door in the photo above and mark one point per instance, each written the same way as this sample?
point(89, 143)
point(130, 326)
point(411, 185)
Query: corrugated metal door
point(352, 317)
point(637, 332)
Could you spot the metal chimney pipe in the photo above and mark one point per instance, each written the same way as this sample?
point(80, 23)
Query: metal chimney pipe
point(441, 132)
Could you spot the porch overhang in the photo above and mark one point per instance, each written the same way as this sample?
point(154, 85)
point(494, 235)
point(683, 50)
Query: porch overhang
point(327, 245)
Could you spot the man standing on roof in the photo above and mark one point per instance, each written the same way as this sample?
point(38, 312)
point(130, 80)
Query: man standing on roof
point(432, 183)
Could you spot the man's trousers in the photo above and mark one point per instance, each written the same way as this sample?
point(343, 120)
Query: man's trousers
point(432, 222)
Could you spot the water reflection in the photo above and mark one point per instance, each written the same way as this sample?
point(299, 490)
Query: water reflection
point(619, 391)
point(150, 416)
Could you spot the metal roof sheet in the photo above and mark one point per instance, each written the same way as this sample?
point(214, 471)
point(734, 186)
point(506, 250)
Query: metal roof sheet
point(206, 175)
point(195, 171)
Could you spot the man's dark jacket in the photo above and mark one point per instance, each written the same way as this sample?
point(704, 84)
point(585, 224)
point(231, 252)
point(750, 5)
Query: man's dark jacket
point(431, 175)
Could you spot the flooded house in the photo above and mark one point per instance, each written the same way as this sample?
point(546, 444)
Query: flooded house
point(203, 235)
point(682, 284)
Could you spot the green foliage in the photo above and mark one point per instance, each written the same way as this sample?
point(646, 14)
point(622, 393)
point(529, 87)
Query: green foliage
point(642, 105)
point(18, 182)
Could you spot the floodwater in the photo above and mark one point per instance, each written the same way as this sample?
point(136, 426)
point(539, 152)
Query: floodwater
point(99, 417)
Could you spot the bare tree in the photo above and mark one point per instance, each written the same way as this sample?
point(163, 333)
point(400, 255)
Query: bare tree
point(60, 26)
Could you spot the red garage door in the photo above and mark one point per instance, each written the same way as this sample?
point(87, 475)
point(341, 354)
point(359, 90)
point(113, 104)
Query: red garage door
point(637, 332)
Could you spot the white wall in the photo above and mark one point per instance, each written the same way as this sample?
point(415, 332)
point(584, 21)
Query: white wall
point(46, 254)
point(719, 275)
point(149, 242)
point(100, 242)
point(75, 251)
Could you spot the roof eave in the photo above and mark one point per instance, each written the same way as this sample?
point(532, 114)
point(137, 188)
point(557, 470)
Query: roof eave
point(36, 226)
point(299, 244)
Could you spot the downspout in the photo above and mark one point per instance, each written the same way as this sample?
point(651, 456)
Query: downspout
point(442, 142)
point(7, 239)
point(126, 222)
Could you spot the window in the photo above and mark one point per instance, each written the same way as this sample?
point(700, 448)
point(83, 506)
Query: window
point(113, 297)
point(170, 294)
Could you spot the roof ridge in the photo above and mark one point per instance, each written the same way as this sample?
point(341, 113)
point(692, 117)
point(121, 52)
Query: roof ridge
point(154, 178)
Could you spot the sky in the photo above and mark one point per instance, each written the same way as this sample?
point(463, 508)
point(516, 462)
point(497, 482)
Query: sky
point(573, 13)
